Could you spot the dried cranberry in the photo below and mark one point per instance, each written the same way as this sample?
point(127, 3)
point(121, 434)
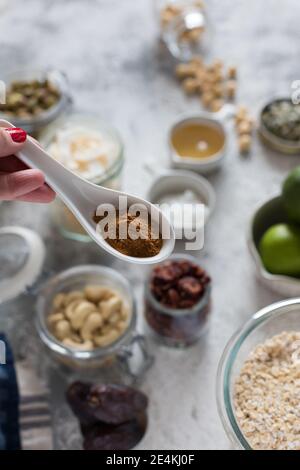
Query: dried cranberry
point(173, 297)
point(190, 286)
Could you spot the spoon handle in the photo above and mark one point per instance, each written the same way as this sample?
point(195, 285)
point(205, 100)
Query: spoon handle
point(57, 176)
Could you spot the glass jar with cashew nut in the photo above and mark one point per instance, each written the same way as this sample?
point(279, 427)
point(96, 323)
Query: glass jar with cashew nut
point(86, 318)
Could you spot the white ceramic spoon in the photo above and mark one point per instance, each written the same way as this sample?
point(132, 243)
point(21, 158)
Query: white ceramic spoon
point(83, 198)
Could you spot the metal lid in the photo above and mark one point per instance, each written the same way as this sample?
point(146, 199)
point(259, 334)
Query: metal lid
point(22, 255)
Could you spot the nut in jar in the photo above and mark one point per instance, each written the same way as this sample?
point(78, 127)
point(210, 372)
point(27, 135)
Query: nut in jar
point(86, 318)
point(95, 316)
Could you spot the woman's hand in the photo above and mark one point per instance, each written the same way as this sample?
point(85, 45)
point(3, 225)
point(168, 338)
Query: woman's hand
point(17, 181)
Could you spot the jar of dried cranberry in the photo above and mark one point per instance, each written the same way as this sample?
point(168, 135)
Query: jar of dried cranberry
point(177, 301)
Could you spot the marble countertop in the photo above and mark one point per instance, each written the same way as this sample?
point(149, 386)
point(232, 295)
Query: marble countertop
point(111, 54)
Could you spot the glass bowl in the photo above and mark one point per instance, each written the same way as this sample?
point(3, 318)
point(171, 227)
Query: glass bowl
point(274, 142)
point(190, 18)
point(268, 322)
point(35, 124)
point(178, 328)
point(120, 351)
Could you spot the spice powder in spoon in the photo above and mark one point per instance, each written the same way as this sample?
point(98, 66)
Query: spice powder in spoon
point(146, 245)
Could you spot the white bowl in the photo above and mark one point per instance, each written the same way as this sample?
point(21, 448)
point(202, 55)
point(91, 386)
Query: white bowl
point(270, 213)
point(174, 181)
point(200, 165)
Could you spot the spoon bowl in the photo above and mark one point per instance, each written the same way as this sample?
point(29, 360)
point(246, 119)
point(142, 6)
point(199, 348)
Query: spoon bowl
point(83, 199)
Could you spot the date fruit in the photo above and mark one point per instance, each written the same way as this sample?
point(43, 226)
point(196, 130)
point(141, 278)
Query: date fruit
point(125, 436)
point(111, 404)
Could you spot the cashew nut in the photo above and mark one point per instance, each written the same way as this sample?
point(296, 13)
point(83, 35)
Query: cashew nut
point(107, 339)
point(74, 295)
point(97, 293)
point(122, 326)
point(125, 312)
point(94, 317)
point(54, 318)
point(80, 314)
point(59, 301)
point(62, 329)
point(110, 306)
point(69, 311)
point(86, 346)
point(114, 318)
point(93, 322)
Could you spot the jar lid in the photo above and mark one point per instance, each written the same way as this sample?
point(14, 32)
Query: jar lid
point(22, 255)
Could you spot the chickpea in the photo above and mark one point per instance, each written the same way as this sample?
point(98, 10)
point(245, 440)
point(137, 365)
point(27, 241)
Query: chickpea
point(206, 87)
point(185, 70)
point(217, 65)
point(216, 105)
point(198, 61)
point(207, 99)
point(244, 127)
point(199, 4)
point(195, 34)
point(190, 85)
point(232, 72)
point(218, 90)
point(231, 87)
point(165, 18)
point(245, 142)
point(241, 114)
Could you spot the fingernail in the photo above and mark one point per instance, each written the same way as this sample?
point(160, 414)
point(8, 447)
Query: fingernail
point(17, 134)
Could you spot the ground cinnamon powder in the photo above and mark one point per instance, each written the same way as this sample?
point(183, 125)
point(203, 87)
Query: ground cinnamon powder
point(146, 246)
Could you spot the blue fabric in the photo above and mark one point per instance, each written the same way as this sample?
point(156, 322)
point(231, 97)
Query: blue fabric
point(9, 403)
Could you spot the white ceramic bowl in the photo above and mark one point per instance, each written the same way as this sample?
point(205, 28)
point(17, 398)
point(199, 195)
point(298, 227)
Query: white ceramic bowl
point(270, 213)
point(200, 165)
point(271, 140)
point(175, 181)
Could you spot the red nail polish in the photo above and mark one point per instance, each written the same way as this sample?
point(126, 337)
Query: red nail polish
point(17, 134)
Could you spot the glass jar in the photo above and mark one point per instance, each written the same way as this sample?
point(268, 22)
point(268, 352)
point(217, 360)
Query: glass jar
point(127, 356)
point(35, 124)
point(111, 177)
point(268, 322)
point(177, 327)
point(184, 27)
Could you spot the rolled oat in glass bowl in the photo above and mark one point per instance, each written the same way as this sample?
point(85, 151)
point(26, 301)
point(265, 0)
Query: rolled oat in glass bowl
point(269, 343)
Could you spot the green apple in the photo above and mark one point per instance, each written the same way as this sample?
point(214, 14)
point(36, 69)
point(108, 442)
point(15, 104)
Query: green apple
point(291, 195)
point(280, 250)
